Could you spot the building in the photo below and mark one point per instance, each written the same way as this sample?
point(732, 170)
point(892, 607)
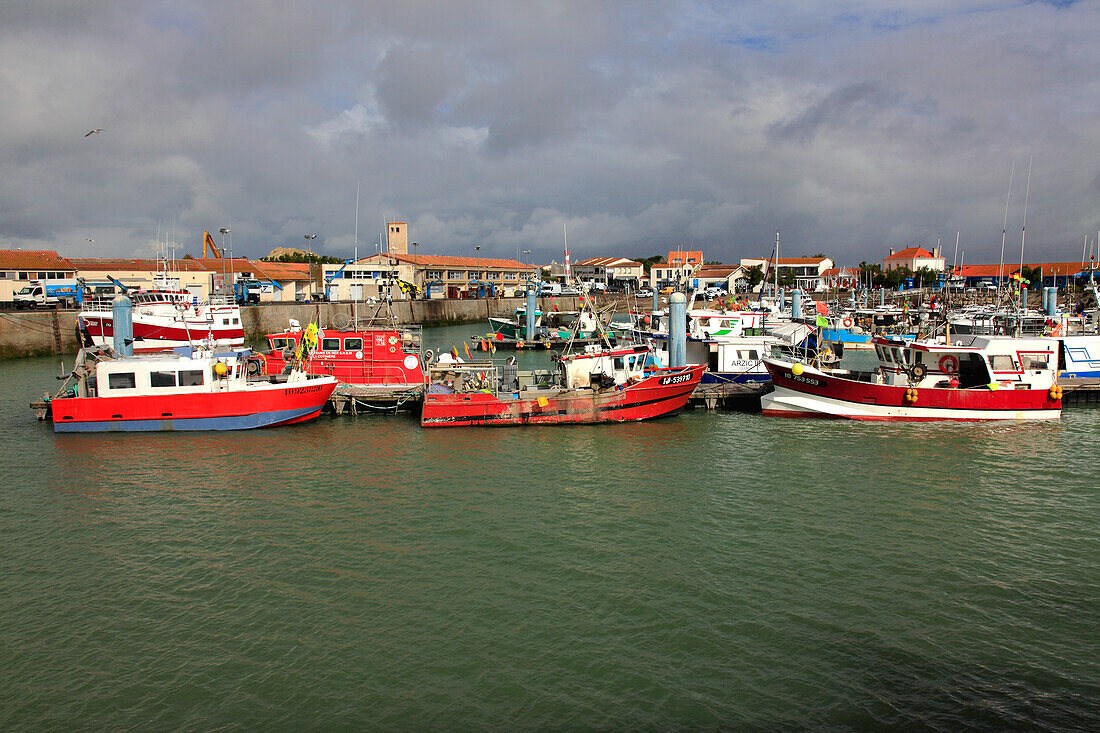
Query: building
point(1052, 274)
point(19, 267)
point(807, 272)
point(731, 278)
point(610, 271)
point(435, 276)
point(203, 278)
point(677, 270)
point(841, 277)
point(915, 258)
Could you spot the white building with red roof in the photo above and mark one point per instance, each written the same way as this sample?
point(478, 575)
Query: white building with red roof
point(915, 258)
point(607, 270)
point(19, 267)
point(436, 276)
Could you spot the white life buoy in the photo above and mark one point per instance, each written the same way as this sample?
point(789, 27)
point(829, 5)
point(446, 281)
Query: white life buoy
point(848, 322)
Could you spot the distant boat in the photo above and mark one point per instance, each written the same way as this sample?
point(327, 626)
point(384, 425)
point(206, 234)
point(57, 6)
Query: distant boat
point(164, 319)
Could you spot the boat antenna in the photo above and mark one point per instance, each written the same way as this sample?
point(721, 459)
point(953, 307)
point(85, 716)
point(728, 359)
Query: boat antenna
point(1004, 231)
point(1023, 239)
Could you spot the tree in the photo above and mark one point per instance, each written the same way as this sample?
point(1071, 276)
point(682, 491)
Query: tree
point(649, 262)
point(306, 257)
point(754, 275)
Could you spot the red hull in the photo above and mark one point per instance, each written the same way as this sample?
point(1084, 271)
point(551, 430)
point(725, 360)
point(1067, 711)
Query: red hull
point(236, 409)
point(664, 393)
point(869, 401)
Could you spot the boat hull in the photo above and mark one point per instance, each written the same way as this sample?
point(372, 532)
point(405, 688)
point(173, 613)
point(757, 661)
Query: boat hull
point(264, 405)
point(813, 394)
point(660, 395)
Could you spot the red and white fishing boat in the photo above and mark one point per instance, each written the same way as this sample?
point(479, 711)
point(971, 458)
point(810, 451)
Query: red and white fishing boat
point(164, 319)
point(354, 356)
point(593, 386)
point(976, 378)
point(180, 390)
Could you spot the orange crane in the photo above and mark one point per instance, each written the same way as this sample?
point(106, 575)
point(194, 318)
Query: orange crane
point(208, 242)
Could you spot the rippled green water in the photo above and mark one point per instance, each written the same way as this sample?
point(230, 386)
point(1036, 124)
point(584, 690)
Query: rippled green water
point(708, 570)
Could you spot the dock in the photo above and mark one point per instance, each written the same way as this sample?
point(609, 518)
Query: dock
point(1080, 390)
point(728, 395)
point(371, 398)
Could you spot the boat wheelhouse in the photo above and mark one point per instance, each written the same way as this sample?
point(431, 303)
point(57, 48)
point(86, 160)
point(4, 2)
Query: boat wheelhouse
point(974, 378)
point(164, 319)
point(354, 356)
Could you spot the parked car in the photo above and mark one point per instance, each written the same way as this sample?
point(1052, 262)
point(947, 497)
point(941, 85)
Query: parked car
point(645, 293)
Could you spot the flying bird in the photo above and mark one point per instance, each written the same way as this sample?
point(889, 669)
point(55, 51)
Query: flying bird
point(92, 132)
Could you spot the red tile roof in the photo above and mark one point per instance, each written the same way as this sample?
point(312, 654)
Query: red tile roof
point(33, 259)
point(282, 271)
point(799, 260)
point(447, 261)
point(1060, 269)
point(910, 253)
point(102, 264)
point(605, 261)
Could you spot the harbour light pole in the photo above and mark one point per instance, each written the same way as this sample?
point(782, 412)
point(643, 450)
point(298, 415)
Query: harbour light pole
point(309, 243)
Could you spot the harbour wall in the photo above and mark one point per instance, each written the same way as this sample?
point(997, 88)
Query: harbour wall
point(47, 332)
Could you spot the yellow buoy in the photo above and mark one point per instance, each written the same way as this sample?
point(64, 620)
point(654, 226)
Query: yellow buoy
point(797, 369)
point(221, 369)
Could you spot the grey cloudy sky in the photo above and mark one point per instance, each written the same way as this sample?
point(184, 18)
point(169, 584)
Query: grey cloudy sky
point(848, 126)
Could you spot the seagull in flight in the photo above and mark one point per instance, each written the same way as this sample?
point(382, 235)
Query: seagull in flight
point(92, 132)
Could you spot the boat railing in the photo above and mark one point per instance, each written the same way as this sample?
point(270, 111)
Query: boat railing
point(484, 376)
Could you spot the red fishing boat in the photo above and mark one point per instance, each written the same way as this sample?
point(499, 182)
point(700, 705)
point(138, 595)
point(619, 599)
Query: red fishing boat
point(184, 389)
point(974, 378)
point(593, 386)
point(164, 319)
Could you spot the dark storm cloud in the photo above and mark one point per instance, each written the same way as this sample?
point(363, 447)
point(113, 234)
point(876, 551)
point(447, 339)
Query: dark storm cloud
point(851, 105)
point(849, 126)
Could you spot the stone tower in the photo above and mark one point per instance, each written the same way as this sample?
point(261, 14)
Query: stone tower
point(397, 238)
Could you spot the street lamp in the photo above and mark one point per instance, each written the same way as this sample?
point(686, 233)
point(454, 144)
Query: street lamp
point(477, 249)
point(309, 243)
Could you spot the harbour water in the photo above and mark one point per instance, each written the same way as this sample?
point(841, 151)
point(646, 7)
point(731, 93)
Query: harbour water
point(703, 571)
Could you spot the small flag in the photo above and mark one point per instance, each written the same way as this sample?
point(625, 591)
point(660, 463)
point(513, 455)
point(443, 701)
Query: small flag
point(467, 347)
point(822, 309)
point(822, 322)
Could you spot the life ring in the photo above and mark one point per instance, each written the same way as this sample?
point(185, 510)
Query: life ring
point(428, 355)
point(949, 364)
point(847, 322)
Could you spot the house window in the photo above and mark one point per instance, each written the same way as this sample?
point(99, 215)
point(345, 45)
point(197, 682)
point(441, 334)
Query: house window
point(456, 275)
point(434, 274)
point(191, 377)
point(121, 380)
point(162, 379)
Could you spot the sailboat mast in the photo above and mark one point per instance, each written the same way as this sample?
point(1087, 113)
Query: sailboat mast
point(1004, 232)
point(1023, 235)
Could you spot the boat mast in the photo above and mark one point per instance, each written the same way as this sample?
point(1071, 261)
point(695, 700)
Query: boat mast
point(1004, 231)
point(1023, 239)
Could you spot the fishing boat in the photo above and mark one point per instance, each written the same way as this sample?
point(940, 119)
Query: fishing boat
point(973, 378)
point(551, 329)
point(597, 385)
point(185, 389)
point(165, 318)
point(376, 367)
point(382, 355)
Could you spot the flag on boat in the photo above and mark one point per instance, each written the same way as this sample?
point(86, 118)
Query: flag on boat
point(822, 322)
point(467, 347)
point(822, 309)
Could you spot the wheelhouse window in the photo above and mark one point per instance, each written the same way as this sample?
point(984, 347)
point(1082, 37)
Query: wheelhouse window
point(281, 344)
point(162, 379)
point(1033, 361)
point(121, 380)
point(192, 377)
point(330, 344)
point(353, 344)
point(1002, 363)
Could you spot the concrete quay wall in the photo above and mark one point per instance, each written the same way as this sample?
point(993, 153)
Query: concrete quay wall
point(46, 332)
